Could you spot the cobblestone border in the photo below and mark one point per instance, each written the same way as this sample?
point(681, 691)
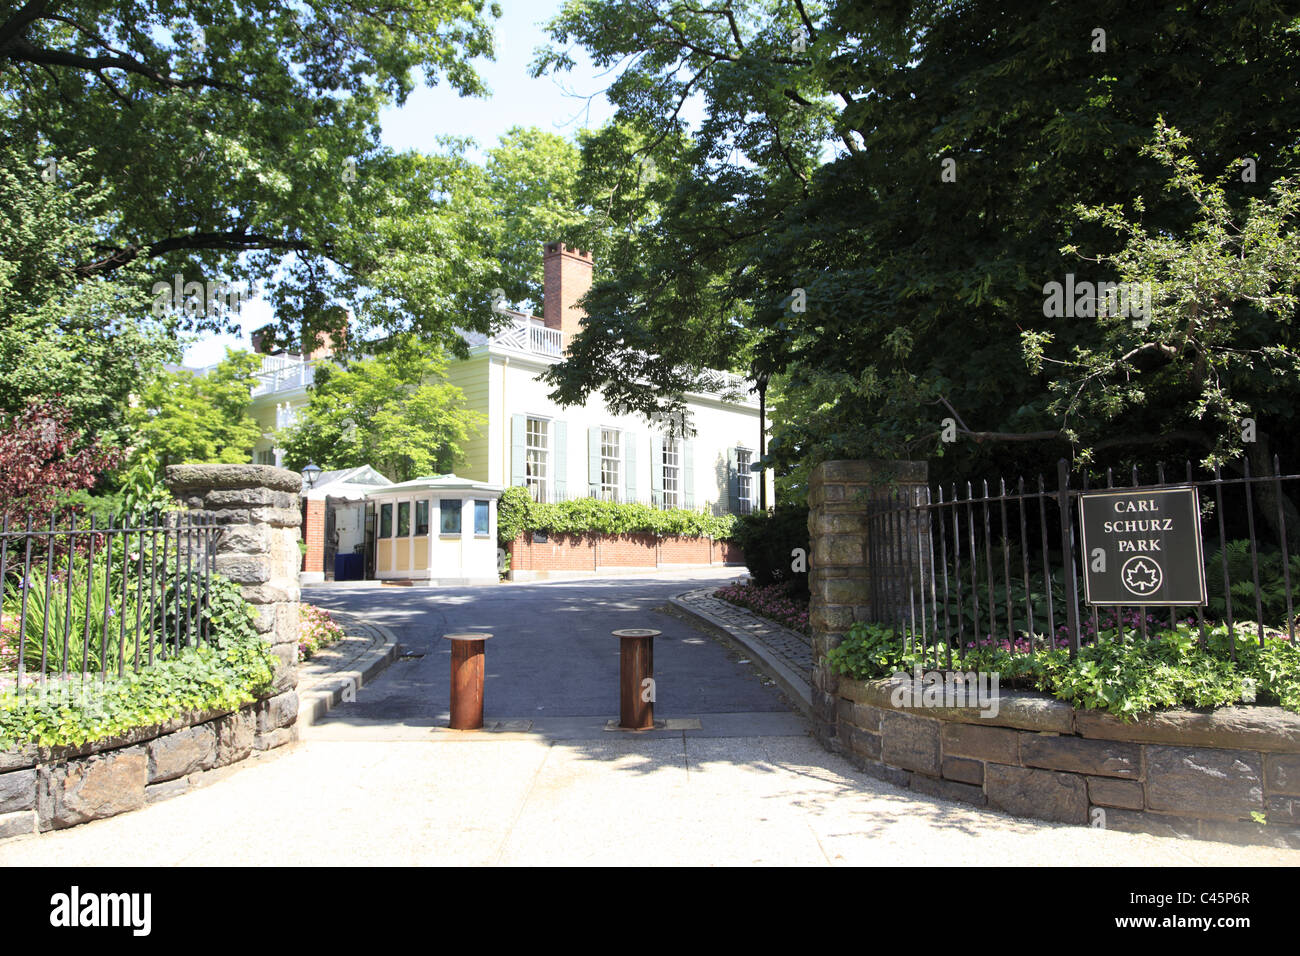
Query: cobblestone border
point(336, 673)
point(786, 654)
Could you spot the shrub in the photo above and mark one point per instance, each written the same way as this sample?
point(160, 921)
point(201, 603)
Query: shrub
point(769, 540)
point(1124, 677)
point(518, 514)
point(234, 667)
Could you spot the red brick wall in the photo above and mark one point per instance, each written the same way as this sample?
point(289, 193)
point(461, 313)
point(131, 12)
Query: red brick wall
point(588, 552)
point(314, 535)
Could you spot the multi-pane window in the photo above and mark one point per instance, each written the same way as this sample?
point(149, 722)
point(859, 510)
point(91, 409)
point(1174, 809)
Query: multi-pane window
point(744, 481)
point(611, 461)
point(537, 458)
point(449, 512)
point(482, 517)
point(672, 473)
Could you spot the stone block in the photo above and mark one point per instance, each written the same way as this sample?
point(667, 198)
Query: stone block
point(234, 737)
point(250, 497)
point(19, 823)
point(948, 790)
point(1270, 729)
point(996, 744)
point(18, 758)
point(1101, 757)
point(243, 569)
point(183, 480)
point(860, 742)
point(17, 790)
point(963, 770)
point(1109, 792)
point(246, 539)
point(278, 711)
point(1039, 794)
point(882, 771)
point(275, 738)
point(181, 753)
point(910, 742)
point(92, 788)
point(1201, 782)
point(1282, 773)
point(1157, 824)
point(1284, 810)
point(163, 791)
point(276, 517)
point(866, 717)
point(1243, 833)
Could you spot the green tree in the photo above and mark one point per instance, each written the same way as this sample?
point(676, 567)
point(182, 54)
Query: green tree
point(84, 342)
point(880, 193)
point(252, 129)
point(394, 411)
point(185, 417)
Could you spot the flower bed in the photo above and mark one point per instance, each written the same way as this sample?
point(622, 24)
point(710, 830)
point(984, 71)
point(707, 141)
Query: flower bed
point(1121, 673)
point(316, 630)
point(771, 601)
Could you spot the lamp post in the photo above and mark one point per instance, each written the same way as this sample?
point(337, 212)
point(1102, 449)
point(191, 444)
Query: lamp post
point(761, 378)
point(310, 472)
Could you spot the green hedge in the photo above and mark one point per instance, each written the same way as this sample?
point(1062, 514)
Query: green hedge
point(235, 668)
point(518, 514)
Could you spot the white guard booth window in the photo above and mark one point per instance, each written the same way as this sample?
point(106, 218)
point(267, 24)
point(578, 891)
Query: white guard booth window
point(441, 529)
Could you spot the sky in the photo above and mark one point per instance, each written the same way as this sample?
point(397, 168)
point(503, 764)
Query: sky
point(554, 103)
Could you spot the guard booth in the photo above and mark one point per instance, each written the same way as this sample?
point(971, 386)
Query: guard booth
point(441, 529)
point(334, 521)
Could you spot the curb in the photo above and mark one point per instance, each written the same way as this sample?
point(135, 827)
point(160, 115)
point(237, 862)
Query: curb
point(329, 692)
point(794, 685)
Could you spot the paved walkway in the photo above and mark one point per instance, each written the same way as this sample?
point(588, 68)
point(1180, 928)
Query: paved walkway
point(787, 653)
point(483, 799)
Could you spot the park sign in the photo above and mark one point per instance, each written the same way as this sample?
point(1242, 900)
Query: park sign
point(1142, 546)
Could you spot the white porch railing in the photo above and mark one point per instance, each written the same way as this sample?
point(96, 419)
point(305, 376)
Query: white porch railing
point(282, 373)
point(529, 335)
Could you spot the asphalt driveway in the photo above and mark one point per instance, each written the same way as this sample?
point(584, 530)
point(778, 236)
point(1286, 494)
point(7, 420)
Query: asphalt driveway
point(552, 653)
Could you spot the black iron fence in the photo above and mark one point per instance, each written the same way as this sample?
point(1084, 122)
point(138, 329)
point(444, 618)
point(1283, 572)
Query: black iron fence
point(80, 599)
point(960, 568)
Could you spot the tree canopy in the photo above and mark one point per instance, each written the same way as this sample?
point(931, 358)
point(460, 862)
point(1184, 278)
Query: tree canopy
point(394, 411)
point(185, 417)
point(242, 141)
point(878, 196)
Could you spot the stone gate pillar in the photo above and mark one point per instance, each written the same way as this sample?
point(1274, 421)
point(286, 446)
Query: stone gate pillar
point(841, 494)
point(258, 506)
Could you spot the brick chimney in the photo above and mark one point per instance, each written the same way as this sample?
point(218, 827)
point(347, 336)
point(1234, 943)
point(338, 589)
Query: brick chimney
point(324, 343)
point(566, 279)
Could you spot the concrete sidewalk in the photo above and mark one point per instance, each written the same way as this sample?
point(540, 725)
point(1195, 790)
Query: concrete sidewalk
point(378, 793)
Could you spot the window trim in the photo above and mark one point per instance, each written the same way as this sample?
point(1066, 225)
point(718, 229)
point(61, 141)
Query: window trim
point(545, 483)
point(673, 445)
point(613, 491)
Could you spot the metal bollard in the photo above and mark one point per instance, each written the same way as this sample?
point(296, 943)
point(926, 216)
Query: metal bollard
point(636, 665)
point(467, 680)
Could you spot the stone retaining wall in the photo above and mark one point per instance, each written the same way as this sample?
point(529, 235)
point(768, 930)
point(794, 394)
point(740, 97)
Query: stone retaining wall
point(55, 788)
point(1178, 773)
point(258, 509)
